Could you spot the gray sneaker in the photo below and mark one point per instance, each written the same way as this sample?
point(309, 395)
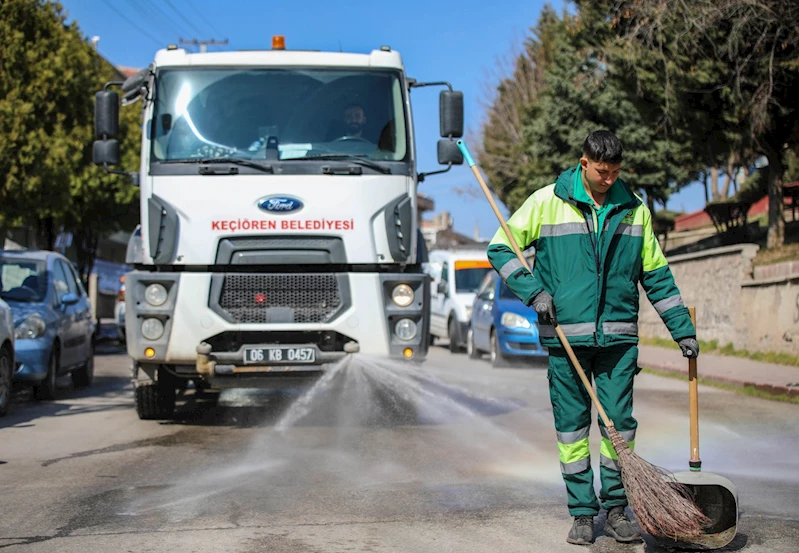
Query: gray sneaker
point(582, 532)
point(620, 527)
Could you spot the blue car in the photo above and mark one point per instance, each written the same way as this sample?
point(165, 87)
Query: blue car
point(53, 325)
point(502, 325)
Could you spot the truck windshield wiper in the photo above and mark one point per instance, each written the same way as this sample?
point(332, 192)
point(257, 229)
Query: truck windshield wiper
point(346, 157)
point(264, 167)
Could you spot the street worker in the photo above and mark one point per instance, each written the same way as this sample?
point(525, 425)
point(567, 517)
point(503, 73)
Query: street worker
point(594, 244)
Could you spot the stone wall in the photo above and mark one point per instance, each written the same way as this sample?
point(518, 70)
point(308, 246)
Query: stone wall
point(752, 310)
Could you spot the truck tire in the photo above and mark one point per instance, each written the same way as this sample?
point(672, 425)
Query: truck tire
point(155, 400)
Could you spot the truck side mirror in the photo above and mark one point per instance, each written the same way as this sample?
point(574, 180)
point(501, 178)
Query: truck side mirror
point(442, 287)
point(448, 152)
point(450, 113)
point(106, 114)
point(105, 152)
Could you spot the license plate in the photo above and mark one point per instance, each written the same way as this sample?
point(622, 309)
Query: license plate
point(279, 355)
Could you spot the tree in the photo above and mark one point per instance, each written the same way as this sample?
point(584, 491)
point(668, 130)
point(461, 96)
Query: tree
point(753, 46)
point(48, 76)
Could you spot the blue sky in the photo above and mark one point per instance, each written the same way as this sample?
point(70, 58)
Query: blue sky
point(458, 42)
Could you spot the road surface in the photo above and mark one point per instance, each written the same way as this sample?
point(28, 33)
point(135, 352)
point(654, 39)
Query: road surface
point(463, 459)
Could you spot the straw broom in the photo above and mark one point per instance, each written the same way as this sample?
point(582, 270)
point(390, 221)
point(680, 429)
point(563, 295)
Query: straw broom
point(662, 506)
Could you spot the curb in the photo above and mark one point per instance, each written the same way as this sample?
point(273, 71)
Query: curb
point(771, 389)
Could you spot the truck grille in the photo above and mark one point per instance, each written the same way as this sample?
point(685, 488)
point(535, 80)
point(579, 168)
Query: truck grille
point(266, 298)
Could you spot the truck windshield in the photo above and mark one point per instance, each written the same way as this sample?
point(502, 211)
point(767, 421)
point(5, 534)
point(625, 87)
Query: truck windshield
point(295, 113)
point(469, 275)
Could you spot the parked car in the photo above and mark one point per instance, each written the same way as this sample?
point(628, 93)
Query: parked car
point(54, 327)
point(455, 278)
point(502, 325)
point(6, 356)
point(119, 311)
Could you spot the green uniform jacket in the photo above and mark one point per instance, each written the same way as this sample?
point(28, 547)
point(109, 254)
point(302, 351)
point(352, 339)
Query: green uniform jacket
point(593, 277)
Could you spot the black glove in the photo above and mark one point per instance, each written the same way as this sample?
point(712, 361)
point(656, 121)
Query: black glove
point(689, 347)
point(545, 307)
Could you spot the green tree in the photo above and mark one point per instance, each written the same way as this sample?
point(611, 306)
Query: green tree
point(753, 47)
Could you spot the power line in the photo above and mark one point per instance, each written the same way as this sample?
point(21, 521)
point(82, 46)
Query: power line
point(183, 17)
point(199, 13)
point(131, 23)
point(161, 14)
point(150, 18)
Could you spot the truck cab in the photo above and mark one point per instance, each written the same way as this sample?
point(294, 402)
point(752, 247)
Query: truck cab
point(278, 216)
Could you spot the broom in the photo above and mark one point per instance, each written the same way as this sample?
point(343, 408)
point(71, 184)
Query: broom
point(662, 506)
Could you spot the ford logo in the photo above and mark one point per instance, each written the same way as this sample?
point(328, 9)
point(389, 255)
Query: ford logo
point(280, 204)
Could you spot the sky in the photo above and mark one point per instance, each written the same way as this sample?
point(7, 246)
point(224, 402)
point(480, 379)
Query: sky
point(459, 42)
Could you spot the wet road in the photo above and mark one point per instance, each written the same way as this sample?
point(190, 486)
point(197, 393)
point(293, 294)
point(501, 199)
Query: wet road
point(462, 459)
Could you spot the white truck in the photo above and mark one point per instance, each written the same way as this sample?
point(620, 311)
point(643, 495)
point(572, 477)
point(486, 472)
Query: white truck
point(278, 216)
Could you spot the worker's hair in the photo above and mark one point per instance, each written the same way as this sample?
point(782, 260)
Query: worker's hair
point(603, 146)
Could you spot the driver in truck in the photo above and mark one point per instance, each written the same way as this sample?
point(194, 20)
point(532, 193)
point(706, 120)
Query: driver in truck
point(355, 120)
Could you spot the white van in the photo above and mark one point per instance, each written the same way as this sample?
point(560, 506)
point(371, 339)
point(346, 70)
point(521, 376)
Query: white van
point(455, 277)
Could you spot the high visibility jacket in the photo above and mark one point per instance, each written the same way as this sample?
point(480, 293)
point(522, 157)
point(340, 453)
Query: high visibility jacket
point(593, 277)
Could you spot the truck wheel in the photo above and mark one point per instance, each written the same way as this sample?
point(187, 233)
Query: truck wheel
point(498, 359)
point(454, 344)
point(471, 351)
point(155, 400)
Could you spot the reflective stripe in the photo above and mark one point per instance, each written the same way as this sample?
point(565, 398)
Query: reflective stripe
point(609, 463)
point(563, 229)
point(575, 467)
point(572, 437)
point(630, 230)
point(606, 448)
point(570, 453)
point(627, 435)
point(577, 329)
point(630, 329)
point(508, 268)
point(664, 305)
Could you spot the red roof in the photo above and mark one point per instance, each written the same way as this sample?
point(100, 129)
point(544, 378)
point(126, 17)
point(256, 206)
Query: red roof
point(699, 219)
point(128, 71)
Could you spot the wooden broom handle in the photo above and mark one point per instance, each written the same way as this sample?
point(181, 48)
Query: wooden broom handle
point(693, 401)
point(563, 339)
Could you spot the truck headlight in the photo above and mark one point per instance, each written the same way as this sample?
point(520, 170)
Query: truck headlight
point(405, 329)
point(152, 329)
point(155, 294)
point(512, 320)
point(402, 295)
point(32, 327)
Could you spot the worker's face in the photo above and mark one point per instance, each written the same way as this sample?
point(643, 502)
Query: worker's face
point(355, 119)
point(600, 175)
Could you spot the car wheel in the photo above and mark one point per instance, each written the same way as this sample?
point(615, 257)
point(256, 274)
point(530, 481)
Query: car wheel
point(497, 358)
point(5, 380)
point(471, 350)
point(84, 375)
point(45, 390)
point(454, 346)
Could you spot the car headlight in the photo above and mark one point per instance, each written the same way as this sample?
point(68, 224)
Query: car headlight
point(513, 320)
point(152, 329)
point(155, 294)
point(32, 327)
point(402, 295)
point(405, 329)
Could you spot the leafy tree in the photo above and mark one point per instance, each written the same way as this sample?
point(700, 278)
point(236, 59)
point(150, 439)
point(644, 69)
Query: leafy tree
point(753, 47)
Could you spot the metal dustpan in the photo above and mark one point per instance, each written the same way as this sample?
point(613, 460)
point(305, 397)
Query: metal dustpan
point(715, 495)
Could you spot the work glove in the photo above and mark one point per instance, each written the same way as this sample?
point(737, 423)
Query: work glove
point(545, 307)
point(689, 347)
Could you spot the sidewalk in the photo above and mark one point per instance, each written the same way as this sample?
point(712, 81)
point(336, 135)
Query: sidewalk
point(738, 371)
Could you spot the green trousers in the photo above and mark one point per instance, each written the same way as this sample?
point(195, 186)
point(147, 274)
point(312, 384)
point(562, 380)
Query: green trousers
point(613, 369)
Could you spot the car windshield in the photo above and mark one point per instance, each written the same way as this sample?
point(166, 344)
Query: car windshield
point(295, 113)
point(469, 275)
point(23, 280)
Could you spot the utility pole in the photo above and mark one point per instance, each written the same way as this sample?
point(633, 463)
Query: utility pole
point(203, 44)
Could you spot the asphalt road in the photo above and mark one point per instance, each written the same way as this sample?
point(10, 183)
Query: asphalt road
point(455, 456)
